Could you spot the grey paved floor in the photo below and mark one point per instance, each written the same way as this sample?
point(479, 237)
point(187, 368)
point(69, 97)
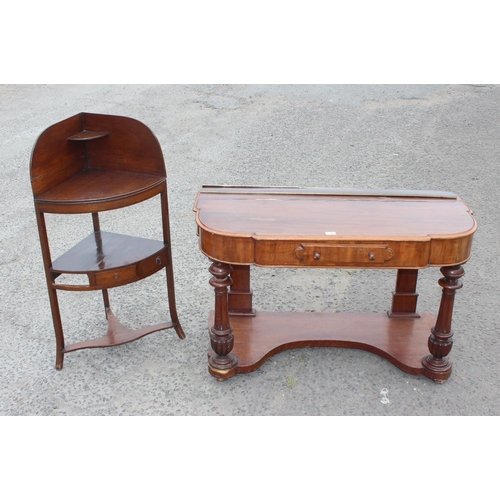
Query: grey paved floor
point(404, 137)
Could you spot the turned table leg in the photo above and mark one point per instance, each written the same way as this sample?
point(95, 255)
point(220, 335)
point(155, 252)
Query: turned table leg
point(222, 365)
point(436, 365)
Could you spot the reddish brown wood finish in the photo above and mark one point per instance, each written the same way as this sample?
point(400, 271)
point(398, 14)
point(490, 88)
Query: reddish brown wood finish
point(295, 227)
point(222, 363)
point(301, 228)
point(437, 365)
point(401, 341)
point(240, 294)
point(404, 299)
point(90, 163)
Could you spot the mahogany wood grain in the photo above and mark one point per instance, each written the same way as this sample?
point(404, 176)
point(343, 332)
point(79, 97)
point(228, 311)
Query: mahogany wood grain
point(404, 298)
point(222, 363)
point(401, 341)
point(103, 251)
point(93, 189)
point(271, 228)
point(240, 294)
point(306, 227)
point(129, 146)
point(110, 260)
point(89, 163)
point(437, 365)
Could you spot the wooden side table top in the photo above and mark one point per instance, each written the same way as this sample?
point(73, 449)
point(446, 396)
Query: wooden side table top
point(307, 227)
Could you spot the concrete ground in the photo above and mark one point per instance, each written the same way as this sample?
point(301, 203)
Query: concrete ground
point(433, 137)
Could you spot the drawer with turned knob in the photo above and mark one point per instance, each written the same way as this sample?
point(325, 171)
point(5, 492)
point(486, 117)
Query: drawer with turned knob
point(339, 255)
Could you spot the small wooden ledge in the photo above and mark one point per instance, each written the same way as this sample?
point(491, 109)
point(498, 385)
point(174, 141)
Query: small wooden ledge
point(88, 135)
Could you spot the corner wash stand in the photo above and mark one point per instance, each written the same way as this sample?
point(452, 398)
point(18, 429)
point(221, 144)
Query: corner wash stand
point(91, 163)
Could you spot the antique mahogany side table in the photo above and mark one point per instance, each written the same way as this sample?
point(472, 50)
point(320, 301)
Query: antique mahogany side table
point(331, 228)
point(87, 164)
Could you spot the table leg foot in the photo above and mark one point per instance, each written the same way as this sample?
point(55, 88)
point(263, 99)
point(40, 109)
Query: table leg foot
point(59, 360)
point(222, 372)
point(222, 363)
point(438, 370)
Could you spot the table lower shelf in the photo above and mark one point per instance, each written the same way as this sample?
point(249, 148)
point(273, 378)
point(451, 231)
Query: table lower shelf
point(402, 341)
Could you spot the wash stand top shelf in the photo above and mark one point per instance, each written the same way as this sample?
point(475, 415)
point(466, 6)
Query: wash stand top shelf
point(92, 162)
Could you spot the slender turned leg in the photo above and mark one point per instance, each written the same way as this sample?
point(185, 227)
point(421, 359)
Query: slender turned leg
point(222, 365)
point(404, 298)
point(240, 293)
point(436, 364)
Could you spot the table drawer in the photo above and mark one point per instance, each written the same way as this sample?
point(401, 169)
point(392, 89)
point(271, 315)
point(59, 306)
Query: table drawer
point(116, 277)
point(342, 255)
point(152, 264)
point(133, 272)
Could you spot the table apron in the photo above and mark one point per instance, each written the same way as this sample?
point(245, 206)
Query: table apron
point(367, 253)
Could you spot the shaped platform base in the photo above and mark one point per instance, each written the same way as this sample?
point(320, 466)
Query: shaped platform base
point(402, 341)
